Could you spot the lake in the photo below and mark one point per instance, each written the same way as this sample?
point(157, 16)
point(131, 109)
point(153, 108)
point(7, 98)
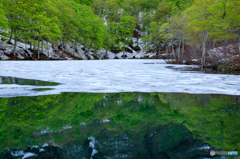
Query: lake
point(116, 109)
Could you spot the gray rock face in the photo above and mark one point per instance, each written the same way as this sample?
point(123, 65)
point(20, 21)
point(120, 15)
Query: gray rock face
point(69, 52)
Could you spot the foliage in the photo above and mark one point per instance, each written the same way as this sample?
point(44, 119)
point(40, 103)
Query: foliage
point(3, 20)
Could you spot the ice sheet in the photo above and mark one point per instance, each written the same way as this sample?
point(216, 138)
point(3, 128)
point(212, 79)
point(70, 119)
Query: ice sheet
point(108, 76)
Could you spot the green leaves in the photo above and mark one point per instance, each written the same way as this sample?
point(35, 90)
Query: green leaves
point(3, 20)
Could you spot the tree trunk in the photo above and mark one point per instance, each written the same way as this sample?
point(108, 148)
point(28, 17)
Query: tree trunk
point(42, 46)
point(106, 53)
point(167, 50)
point(48, 49)
point(182, 46)
point(173, 49)
point(15, 44)
point(38, 55)
point(225, 49)
point(88, 52)
point(196, 51)
point(124, 51)
point(75, 48)
point(62, 44)
point(34, 45)
point(10, 36)
point(179, 49)
point(85, 50)
point(38, 48)
point(204, 49)
point(53, 47)
point(203, 54)
point(238, 38)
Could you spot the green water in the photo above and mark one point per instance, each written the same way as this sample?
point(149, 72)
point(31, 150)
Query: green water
point(124, 125)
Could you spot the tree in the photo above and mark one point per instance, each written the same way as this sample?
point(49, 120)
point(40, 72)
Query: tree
point(232, 15)
point(126, 27)
point(177, 28)
point(112, 10)
point(200, 20)
point(16, 13)
point(132, 7)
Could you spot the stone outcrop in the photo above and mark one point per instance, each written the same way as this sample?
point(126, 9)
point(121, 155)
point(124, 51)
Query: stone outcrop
point(50, 52)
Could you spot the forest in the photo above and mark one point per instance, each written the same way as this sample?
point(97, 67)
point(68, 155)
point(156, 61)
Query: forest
point(182, 29)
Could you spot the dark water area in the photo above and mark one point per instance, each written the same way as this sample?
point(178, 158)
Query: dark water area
point(199, 69)
point(119, 125)
point(22, 81)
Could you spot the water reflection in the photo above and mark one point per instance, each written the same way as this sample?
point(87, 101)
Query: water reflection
point(119, 125)
point(22, 81)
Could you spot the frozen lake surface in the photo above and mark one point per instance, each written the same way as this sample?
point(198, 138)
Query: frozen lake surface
point(108, 76)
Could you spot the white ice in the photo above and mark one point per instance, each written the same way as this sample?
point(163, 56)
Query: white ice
point(106, 76)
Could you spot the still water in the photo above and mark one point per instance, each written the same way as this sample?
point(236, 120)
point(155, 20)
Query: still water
point(119, 125)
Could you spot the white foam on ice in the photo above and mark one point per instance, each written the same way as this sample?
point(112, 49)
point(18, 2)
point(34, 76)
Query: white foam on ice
point(108, 76)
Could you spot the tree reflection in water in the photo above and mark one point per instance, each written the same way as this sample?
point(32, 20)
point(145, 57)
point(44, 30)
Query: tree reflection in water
point(122, 125)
